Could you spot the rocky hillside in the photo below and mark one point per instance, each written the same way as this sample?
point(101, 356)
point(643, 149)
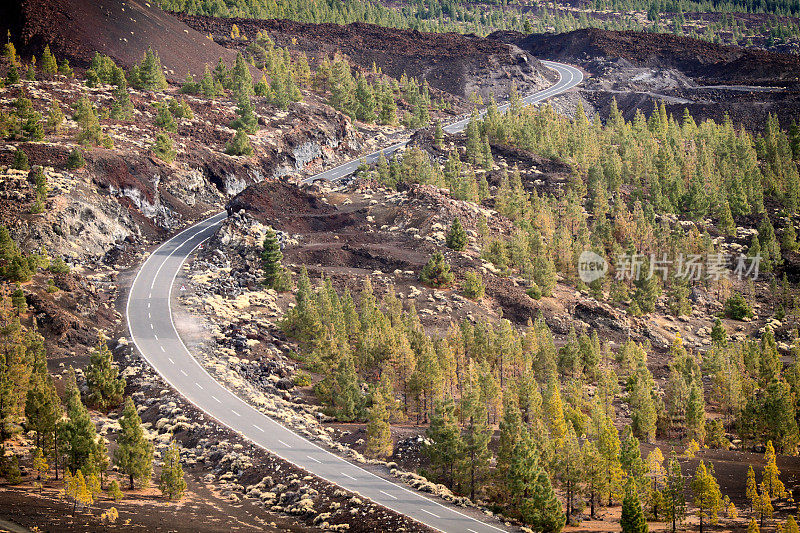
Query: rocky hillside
point(455, 63)
point(710, 62)
point(122, 30)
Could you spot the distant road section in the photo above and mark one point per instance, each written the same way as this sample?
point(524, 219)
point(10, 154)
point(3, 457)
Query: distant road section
point(150, 321)
point(569, 77)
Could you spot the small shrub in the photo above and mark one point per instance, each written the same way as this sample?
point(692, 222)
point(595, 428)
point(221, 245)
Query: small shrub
point(239, 145)
point(51, 286)
point(436, 271)
point(737, 307)
point(456, 237)
point(75, 159)
point(163, 149)
point(20, 161)
point(58, 266)
point(301, 379)
point(473, 285)
point(114, 491)
point(534, 291)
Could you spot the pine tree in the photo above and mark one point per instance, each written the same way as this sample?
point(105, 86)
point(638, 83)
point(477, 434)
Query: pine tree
point(246, 118)
point(55, 118)
point(114, 491)
point(695, 414)
point(102, 377)
point(162, 148)
point(473, 286)
point(752, 527)
point(436, 271)
point(445, 445)
point(542, 510)
point(75, 159)
point(707, 497)
point(790, 526)
point(239, 145)
point(49, 65)
point(379, 432)
point(475, 456)
point(172, 484)
point(632, 520)
point(134, 453)
point(751, 489)
point(42, 408)
point(78, 433)
point(241, 80)
point(20, 161)
point(596, 480)
point(456, 236)
point(275, 276)
point(674, 497)
point(40, 465)
point(365, 101)
point(771, 476)
point(347, 398)
point(719, 335)
point(438, 135)
point(148, 75)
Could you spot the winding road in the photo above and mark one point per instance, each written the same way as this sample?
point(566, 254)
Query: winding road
point(151, 326)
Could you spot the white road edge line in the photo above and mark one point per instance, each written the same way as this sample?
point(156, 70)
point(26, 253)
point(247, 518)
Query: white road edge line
point(210, 222)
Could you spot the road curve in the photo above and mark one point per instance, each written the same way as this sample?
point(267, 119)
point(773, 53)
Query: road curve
point(151, 326)
point(568, 77)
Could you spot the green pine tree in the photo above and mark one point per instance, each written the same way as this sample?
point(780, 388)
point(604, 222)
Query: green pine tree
point(436, 271)
point(106, 387)
point(134, 453)
point(456, 237)
point(632, 520)
point(172, 484)
point(445, 442)
point(275, 276)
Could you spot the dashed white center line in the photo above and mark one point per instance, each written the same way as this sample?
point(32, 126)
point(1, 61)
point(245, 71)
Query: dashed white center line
point(170, 360)
point(258, 428)
point(430, 513)
point(184, 372)
point(314, 459)
point(199, 386)
point(155, 336)
point(151, 325)
point(162, 349)
point(149, 295)
point(218, 401)
point(284, 443)
point(234, 412)
point(148, 315)
point(389, 495)
point(348, 476)
point(471, 530)
point(148, 305)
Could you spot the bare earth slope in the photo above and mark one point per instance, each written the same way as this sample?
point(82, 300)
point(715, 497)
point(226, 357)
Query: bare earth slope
point(708, 61)
point(121, 29)
point(455, 63)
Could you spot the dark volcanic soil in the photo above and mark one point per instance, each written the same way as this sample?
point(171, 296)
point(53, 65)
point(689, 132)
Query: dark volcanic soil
point(710, 62)
point(455, 63)
point(122, 29)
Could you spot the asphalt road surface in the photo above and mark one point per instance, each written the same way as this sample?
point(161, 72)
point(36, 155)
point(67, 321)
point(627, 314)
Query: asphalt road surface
point(569, 77)
point(152, 329)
